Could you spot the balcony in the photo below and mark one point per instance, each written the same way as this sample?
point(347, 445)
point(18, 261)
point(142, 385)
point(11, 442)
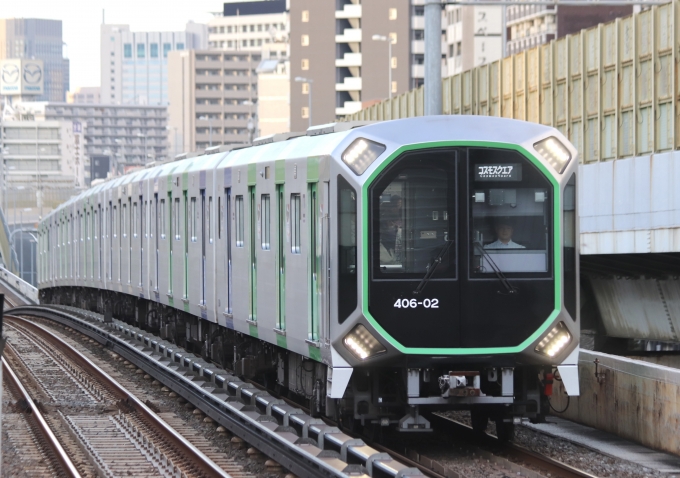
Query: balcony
point(349, 108)
point(350, 83)
point(417, 22)
point(418, 47)
point(417, 71)
point(349, 60)
point(350, 35)
point(349, 10)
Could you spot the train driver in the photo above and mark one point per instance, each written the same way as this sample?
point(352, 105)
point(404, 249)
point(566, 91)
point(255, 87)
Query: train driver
point(504, 232)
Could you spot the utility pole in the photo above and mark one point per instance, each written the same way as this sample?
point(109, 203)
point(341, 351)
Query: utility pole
point(433, 57)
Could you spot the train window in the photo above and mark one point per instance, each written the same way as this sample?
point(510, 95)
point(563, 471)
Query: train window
point(240, 226)
point(219, 217)
point(162, 218)
point(124, 221)
point(570, 258)
point(210, 219)
point(134, 219)
point(510, 212)
point(115, 220)
point(175, 218)
point(265, 223)
point(347, 249)
point(413, 206)
point(193, 219)
point(296, 218)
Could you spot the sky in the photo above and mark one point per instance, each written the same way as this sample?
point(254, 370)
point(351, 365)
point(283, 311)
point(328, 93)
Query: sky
point(82, 18)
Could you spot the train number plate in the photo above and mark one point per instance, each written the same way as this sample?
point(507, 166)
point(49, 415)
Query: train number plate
point(414, 304)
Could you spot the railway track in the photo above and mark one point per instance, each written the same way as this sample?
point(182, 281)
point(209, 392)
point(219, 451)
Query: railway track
point(140, 347)
point(101, 427)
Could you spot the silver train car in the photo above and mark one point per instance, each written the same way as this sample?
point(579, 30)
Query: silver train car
point(374, 271)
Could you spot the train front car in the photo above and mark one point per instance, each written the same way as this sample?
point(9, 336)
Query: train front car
point(466, 270)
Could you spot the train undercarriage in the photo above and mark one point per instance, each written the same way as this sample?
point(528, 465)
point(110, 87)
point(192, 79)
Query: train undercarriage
point(399, 397)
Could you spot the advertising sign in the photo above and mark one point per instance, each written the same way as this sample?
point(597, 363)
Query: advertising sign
point(21, 77)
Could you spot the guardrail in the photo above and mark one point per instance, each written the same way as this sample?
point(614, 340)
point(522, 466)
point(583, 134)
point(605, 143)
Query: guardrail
point(19, 286)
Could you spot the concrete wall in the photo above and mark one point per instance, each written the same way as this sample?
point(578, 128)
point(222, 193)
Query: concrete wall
point(633, 399)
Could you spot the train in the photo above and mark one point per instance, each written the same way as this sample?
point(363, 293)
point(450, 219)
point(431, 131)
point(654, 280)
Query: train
point(376, 272)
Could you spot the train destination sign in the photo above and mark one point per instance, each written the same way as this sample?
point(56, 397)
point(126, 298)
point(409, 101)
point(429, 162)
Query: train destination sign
point(499, 172)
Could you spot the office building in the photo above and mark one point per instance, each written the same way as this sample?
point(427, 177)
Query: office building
point(134, 65)
point(473, 36)
point(347, 27)
point(533, 25)
point(213, 98)
point(116, 137)
point(85, 95)
point(33, 38)
point(259, 26)
point(273, 100)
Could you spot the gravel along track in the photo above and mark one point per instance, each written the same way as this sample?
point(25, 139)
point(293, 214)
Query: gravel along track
point(103, 435)
point(579, 457)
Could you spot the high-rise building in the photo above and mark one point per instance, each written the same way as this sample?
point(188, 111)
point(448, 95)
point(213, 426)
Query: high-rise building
point(85, 95)
point(134, 65)
point(40, 39)
point(533, 25)
point(377, 45)
point(257, 26)
point(212, 98)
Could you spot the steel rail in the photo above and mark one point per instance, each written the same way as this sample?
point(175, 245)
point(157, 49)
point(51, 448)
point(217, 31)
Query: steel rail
point(199, 460)
point(306, 446)
point(60, 454)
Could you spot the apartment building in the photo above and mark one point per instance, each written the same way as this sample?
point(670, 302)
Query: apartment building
point(33, 38)
point(533, 25)
point(116, 137)
point(134, 65)
point(213, 98)
point(255, 26)
point(333, 50)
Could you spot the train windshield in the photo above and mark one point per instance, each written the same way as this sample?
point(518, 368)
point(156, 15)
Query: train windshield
point(510, 214)
point(415, 211)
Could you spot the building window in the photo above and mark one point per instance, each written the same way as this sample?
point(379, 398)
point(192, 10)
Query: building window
point(127, 50)
point(305, 88)
point(305, 64)
point(180, 46)
point(393, 38)
point(166, 48)
point(305, 112)
point(392, 14)
point(393, 62)
point(153, 50)
point(305, 16)
point(305, 40)
point(141, 50)
point(394, 87)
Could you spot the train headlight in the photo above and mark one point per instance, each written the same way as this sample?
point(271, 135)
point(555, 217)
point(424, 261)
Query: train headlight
point(554, 152)
point(555, 341)
point(361, 153)
point(362, 344)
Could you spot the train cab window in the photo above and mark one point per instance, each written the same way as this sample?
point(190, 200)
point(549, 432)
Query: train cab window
point(295, 220)
point(510, 212)
point(240, 225)
point(413, 216)
point(265, 225)
point(569, 254)
point(347, 249)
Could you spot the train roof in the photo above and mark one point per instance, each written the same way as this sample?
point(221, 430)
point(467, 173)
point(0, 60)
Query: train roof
point(325, 140)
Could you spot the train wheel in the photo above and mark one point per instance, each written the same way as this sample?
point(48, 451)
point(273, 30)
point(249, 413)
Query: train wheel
point(480, 421)
point(505, 431)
